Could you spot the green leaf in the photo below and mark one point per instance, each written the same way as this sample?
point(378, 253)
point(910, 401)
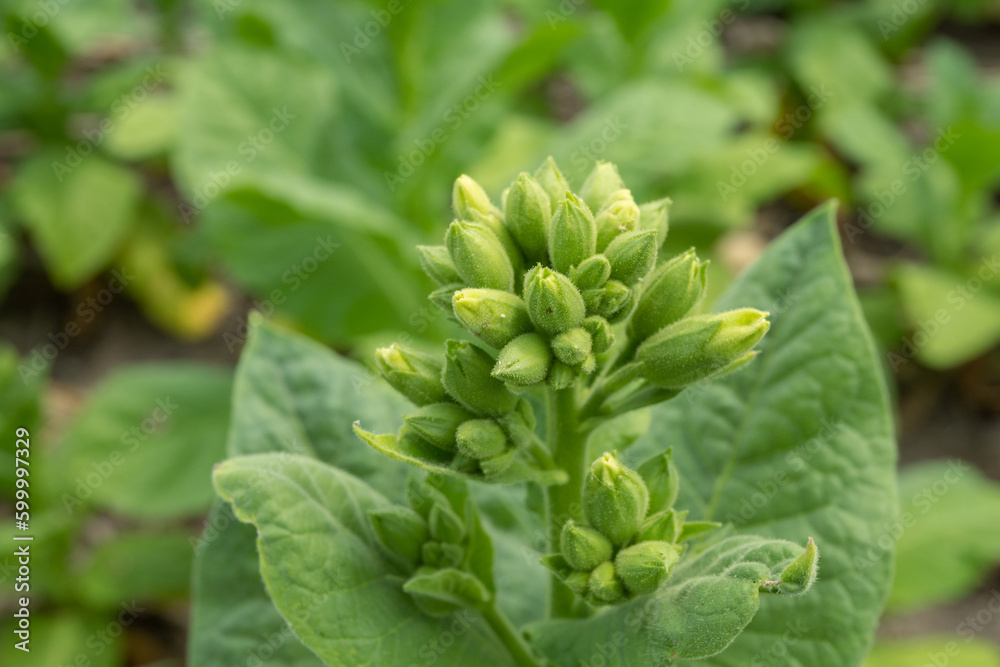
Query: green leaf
point(446, 590)
point(78, 211)
point(948, 541)
point(947, 650)
point(323, 573)
point(708, 600)
point(797, 444)
point(144, 443)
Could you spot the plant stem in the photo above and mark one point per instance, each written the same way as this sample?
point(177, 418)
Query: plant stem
point(510, 637)
point(568, 447)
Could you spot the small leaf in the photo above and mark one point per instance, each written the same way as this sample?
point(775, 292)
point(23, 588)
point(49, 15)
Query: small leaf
point(442, 592)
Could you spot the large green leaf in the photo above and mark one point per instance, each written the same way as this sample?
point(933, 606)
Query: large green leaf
point(317, 560)
point(798, 444)
point(946, 650)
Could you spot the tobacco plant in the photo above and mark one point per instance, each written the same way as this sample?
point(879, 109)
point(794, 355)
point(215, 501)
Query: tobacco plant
point(593, 421)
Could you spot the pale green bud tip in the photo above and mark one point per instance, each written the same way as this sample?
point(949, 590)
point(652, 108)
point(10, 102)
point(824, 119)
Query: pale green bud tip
point(495, 316)
point(643, 567)
point(554, 303)
point(481, 439)
point(662, 479)
point(528, 213)
point(620, 215)
point(669, 293)
point(552, 181)
point(572, 346)
point(604, 584)
point(437, 264)
point(615, 499)
point(591, 272)
point(602, 182)
point(416, 375)
point(801, 573)
point(479, 256)
point(469, 200)
point(572, 235)
point(632, 256)
point(741, 329)
point(655, 215)
point(583, 548)
point(524, 361)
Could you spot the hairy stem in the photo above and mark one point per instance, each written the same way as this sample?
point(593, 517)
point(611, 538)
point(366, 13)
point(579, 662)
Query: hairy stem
point(510, 637)
point(568, 447)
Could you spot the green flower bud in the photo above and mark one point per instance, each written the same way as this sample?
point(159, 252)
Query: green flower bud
point(620, 215)
point(524, 361)
point(445, 525)
point(552, 181)
point(467, 379)
point(479, 257)
point(700, 347)
point(437, 264)
point(401, 531)
point(587, 366)
point(561, 375)
point(498, 464)
point(481, 439)
point(495, 316)
point(442, 297)
point(654, 215)
point(632, 256)
point(437, 423)
point(668, 294)
point(600, 333)
point(554, 304)
point(583, 548)
point(528, 213)
point(572, 346)
point(591, 273)
point(801, 573)
point(416, 375)
point(608, 301)
point(439, 555)
point(643, 567)
point(661, 526)
point(615, 499)
point(572, 234)
point(577, 582)
point(604, 585)
point(470, 202)
point(662, 480)
point(601, 183)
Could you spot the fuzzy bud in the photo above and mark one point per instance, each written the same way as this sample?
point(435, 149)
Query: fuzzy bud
point(445, 526)
point(608, 301)
point(578, 582)
point(416, 375)
point(655, 215)
point(615, 499)
point(632, 256)
point(700, 347)
point(662, 480)
point(591, 273)
point(643, 567)
point(602, 182)
point(583, 548)
point(442, 297)
point(437, 423)
point(467, 379)
point(572, 234)
point(528, 213)
point(400, 531)
point(470, 202)
point(496, 317)
point(498, 464)
point(481, 439)
point(600, 333)
point(604, 585)
point(668, 294)
point(552, 181)
point(572, 346)
point(437, 264)
point(554, 303)
point(479, 256)
point(801, 573)
point(524, 361)
point(620, 215)
point(561, 375)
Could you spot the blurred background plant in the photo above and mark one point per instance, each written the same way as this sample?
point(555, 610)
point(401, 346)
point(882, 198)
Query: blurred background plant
point(165, 166)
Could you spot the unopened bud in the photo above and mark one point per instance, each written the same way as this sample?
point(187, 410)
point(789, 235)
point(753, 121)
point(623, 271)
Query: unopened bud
point(445, 526)
point(528, 213)
point(437, 264)
point(615, 499)
point(591, 273)
point(578, 582)
point(554, 303)
point(400, 531)
point(467, 379)
point(524, 361)
point(700, 347)
point(662, 480)
point(620, 215)
point(632, 255)
point(661, 526)
point(609, 301)
point(481, 439)
point(479, 256)
point(437, 423)
point(552, 181)
point(572, 234)
point(643, 567)
point(801, 573)
point(416, 375)
point(470, 202)
point(572, 346)
point(498, 464)
point(668, 294)
point(604, 586)
point(442, 554)
point(495, 316)
point(600, 333)
point(655, 215)
point(561, 375)
point(443, 296)
point(583, 548)
point(602, 182)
